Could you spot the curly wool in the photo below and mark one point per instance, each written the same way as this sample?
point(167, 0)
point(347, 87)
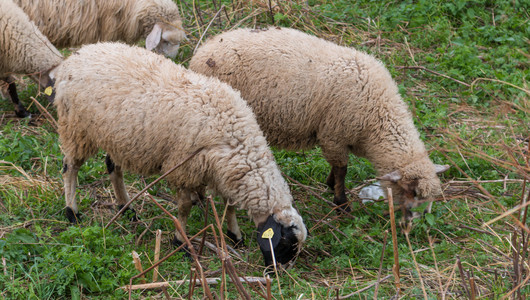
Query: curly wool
point(23, 48)
point(148, 114)
point(70, 23)
point(306, 91)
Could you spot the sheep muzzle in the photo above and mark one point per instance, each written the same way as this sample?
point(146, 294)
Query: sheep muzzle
point(283, 239)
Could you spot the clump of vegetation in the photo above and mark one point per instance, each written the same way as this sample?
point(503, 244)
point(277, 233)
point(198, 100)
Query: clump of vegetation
point(463, 68)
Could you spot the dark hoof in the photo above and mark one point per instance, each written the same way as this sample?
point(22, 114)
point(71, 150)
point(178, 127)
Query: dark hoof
point(238, 243)
point(72, 217)
point(185, 250)
point(23, 113)
point(343, 205)
point(129, 213)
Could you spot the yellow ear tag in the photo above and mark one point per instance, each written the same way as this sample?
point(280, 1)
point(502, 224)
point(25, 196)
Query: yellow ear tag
point(48, 91)
point(268, 234)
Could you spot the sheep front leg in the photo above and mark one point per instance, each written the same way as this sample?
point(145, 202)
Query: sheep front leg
point(116, 178)
point(20, 111)
point(338, 177)
point(185, 202)
point(71, 167)
point(233, 231)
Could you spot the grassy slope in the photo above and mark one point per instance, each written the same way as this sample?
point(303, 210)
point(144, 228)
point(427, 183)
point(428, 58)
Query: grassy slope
point(469, 103)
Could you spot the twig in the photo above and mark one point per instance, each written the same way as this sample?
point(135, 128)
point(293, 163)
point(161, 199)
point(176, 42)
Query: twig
point(207, 27)
point(449, 280)
point(269, 291)
point(515, 261)
point(158, 239)
point(499, 81)
point(215, 280)
point(203, 240)
point(150, 185)
point(472, 285)
point(271, 13)
point(166, 257)
point(335, 206)
point(516, 288)
point(416, 265)
point(380, 265)
point(366, 287)
point(488, 194)
point(166, 294)
point(461, 269)
point(475, 229)
point(256, 12)
point(43, 110)
point(509, 212)
point(226, 258)
point(433, 72)
point(187, 241)
point(193, 282)
point(138, 265)
point(216, 250)
point(4, 265)
point(395, 267)
point(436, 266)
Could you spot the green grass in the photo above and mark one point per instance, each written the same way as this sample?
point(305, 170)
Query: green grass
point(463, 68)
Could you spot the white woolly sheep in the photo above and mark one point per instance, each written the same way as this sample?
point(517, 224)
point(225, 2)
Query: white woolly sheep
point(73, 23)
point(23, 50)
point(148, 114)
point(306, 91)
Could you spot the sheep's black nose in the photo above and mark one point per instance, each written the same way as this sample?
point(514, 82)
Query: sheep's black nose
point(283, 240)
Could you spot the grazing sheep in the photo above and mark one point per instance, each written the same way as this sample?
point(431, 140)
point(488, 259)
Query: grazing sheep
point(306, 91)
point(73, 23)
point(148, 114)
point(23, 50)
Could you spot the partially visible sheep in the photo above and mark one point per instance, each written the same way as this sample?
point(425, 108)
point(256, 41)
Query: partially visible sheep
point(70, 23)
point(23, 50)
point(306, 91)
point(148, 114)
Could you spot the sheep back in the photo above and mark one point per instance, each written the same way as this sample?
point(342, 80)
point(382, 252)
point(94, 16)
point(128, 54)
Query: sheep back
point(307, 91)
point(73, 23)
point(148, 114)
point(23, 48)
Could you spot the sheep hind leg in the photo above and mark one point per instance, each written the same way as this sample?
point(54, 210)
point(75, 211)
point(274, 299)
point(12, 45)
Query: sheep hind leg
point(339, 177)
point(71, 167)
point(116, 178)
point(233, 231)
point(20, 111)
point(331, 180)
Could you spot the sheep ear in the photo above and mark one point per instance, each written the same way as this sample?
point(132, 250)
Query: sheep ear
point(154, 37)
point(440, 168)
point(394, 176)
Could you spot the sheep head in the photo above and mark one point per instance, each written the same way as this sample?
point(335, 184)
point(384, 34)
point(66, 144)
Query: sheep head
point(414, 184)
point(165, 39)
point(285, 238)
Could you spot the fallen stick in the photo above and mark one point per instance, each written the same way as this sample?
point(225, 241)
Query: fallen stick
point(215, 280)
